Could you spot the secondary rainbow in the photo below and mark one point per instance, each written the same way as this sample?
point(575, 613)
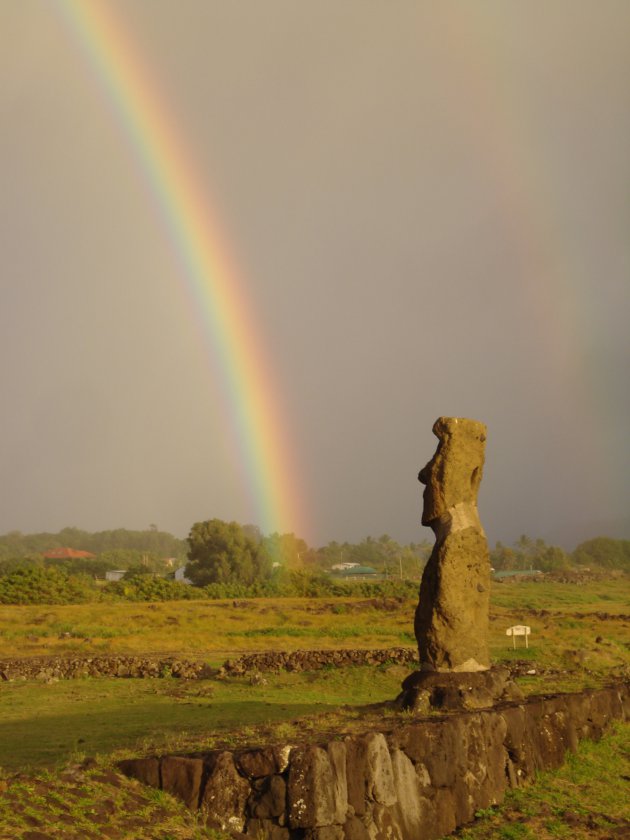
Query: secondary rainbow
point(209, 273)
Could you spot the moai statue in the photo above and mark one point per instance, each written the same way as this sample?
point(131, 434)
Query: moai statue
point(452, 617)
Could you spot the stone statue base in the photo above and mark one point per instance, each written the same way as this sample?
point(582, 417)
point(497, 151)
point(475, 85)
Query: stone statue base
point(424, 691)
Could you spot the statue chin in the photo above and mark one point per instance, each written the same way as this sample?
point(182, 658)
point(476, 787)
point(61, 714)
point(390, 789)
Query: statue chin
point(457, 518)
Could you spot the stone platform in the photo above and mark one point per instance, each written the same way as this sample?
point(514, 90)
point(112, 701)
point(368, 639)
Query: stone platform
point(421, 777)
point(457, 691)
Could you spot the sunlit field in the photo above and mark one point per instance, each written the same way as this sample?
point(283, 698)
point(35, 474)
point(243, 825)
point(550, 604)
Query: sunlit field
point(561, 616)
point(580, 636)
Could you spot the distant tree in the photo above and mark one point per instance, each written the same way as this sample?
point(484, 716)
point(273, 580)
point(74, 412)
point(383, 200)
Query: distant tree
point(138, 570)
point(527, 553)
point(286, 549)
point(254, 532)
point(221, 552)
point(8, 565)
point(552, 558)
point(145, 562)
point(603, 552)
point(504, 558)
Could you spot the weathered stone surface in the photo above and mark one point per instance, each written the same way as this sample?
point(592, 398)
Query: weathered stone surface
point(355, 829)
point(457, 690)
point(146, 770)
point(451, 622)
point(310, 789)
point(263, 761)
point(435, 747)
point(225, 794)
point(266, 828)
point(313, 660)
point(445, 821)
point(182, 778)
point(328, 832)
point(269, 798)
point(337, 754)
point(413, 811)
point(370, 777)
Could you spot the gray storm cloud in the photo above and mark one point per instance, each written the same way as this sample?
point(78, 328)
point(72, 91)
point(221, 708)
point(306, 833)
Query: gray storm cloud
point(428, 203)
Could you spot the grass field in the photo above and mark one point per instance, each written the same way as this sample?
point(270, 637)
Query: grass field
point(212, 630)
point(581, 633)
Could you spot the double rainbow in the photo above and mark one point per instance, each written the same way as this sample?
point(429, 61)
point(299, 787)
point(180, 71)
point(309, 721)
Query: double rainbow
point(209, 273)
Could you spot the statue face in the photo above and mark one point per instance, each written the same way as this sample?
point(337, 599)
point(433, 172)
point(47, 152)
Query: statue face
point(433, 503)
point(453, 474)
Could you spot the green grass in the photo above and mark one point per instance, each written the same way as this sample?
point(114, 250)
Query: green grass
point(85, 802)
point(46, 724)
point(610, 595)
point(214, 630)
point(43, 727)
point(391, 637)
point(203, 629)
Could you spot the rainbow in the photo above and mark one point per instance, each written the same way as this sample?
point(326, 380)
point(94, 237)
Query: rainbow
point(210, 275)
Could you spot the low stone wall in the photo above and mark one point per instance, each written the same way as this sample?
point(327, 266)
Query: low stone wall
point(53, 668)
point(313, 660)
point(421, 779)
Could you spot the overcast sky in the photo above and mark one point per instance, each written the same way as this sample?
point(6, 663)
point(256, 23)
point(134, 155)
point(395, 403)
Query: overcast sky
point(429, 204)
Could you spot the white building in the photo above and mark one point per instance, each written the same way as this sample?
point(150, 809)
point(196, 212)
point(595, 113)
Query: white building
point(180, 575)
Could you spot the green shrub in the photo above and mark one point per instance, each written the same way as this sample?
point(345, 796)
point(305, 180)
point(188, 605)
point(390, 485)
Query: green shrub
point(46, 586)
point(149, 588)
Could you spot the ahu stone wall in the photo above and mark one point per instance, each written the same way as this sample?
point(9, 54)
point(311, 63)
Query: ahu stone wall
point(53, 668)
point(419, 780)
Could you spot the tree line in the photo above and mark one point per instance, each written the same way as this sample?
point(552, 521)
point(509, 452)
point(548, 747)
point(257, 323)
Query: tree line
point(528, 553)
point(227, 554)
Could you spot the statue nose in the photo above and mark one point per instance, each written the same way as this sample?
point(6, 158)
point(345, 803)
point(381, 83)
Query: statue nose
point(423, 475)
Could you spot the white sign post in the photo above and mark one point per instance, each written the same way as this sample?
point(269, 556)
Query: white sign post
point(518, 630)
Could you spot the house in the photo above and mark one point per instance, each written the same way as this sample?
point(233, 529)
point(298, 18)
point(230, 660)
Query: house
point(115, 574)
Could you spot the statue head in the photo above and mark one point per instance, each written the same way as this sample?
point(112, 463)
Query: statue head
point(453, 475)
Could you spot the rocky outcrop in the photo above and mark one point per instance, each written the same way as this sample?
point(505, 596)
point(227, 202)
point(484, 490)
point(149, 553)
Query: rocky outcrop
point(422, 778)
point(452, 617)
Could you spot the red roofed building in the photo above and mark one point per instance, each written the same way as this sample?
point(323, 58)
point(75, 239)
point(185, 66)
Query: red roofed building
point(66, 554)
